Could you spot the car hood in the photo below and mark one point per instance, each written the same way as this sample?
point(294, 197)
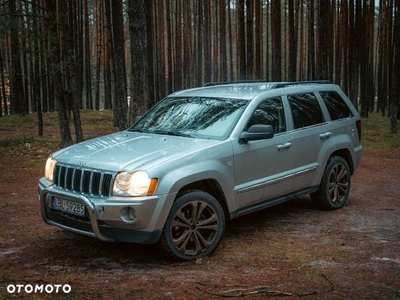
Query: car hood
point(129, 151)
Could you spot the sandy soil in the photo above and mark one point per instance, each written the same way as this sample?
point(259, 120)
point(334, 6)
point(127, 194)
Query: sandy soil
point(292, 250)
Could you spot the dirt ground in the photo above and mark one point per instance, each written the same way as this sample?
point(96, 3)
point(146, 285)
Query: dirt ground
point(289, 251)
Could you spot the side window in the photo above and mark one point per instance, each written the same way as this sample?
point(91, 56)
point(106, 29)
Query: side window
point(305, 110)
point(270, 112)
point(336, 106)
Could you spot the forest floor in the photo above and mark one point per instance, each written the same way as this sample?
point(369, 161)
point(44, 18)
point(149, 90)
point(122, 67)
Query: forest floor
point(289, 251)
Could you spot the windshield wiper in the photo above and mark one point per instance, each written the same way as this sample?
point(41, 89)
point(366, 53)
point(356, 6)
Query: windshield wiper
point(160, 131)
point(139, 130)
point(170, 132)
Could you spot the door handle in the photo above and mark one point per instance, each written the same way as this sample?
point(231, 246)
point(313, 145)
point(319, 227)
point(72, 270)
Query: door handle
point(284, 146)
point(325, 135)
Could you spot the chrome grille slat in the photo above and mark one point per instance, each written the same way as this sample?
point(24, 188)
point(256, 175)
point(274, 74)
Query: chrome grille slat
point(101, 180)
point(85, 181)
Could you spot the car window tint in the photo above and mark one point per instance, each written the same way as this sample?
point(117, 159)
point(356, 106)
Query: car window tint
point(270, 112)
point(336, 106)
point(305, 110)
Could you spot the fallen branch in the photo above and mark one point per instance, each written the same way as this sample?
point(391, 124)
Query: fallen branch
point(244, 291)
point(332, 285)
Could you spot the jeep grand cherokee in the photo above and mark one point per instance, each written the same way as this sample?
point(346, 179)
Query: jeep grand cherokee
point(203, 156)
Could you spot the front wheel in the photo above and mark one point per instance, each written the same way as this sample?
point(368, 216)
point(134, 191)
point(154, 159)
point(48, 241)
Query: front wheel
point(335, 185)
point(194, 227)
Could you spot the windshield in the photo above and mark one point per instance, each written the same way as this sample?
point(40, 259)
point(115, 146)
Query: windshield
point(193, 117)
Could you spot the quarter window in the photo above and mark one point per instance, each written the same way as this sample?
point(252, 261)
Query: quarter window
point(305, 110)
point(336, 106)
point(270, 112)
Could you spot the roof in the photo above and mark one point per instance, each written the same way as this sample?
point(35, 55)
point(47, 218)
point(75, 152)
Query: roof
point(241, 89)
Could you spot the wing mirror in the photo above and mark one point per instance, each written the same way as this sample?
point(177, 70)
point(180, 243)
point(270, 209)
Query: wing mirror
point(257, 132)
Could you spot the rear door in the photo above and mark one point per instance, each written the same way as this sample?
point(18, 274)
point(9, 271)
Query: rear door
point(311, 138)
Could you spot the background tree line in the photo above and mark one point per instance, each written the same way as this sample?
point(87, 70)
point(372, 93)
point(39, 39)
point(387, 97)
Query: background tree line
point(69, 55)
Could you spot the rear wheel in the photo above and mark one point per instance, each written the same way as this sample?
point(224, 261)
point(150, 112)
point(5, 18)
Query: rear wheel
point(194, 227)
point(335, 185)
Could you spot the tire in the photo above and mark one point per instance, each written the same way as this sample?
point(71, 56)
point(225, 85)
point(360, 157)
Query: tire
point(194, 227)
point(335, 185)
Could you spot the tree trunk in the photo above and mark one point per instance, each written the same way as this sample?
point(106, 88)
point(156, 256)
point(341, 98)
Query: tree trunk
point(36, 74)
point(169, 49)
point(160, 27)
point(311, 75)
point(292, 40)
point(249, 49)
point(118, 56)
point(231, 73)
point(199, 43)
point(223, 58)
point(73, 62)
point(258, 67)
point(16, 81)
point(394, 105)
point(355, 51)
point(322, 61)
point(241, 39)
point(54, 67)
point(3, 95)
point(88, 69)
point(276, 40)
point(344, 33)
point(99, 46)
point(151, 73)
point(139, 86)
point(207, 61)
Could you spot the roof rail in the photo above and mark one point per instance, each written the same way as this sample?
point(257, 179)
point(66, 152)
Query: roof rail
point(285, 84)
point(233, 82)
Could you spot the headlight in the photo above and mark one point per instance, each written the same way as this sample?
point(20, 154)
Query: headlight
point(134, 184)
point(49, 168)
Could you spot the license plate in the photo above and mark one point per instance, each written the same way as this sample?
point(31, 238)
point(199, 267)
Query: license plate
point(67, 206)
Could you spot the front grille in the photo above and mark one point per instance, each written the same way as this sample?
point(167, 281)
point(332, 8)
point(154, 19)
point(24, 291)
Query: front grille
point(84, 181)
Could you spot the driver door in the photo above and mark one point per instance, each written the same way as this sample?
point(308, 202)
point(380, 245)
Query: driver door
point(263, 167)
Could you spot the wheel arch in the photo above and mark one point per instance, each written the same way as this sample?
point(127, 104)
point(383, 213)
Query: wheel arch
point(210, 186)
point(345, 153)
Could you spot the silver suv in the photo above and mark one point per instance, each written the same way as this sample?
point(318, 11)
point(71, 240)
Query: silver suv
point(203, 156)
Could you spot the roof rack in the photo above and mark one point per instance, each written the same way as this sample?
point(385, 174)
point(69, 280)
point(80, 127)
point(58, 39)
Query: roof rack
point(285, 84)
point(274, 85)
point(233, 82)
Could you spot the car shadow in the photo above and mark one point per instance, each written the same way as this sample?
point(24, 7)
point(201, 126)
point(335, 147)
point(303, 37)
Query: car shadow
point(61, 247)
point(270, 216)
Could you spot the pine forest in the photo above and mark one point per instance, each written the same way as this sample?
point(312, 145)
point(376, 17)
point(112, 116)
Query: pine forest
point(126, 55)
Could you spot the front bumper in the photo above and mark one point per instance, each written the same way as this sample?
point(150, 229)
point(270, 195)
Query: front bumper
point(107, 218)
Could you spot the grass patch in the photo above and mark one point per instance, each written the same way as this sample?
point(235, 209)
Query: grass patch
point(10, 142)
point(376, 133)
point(90, 119)
point(375, 129)
point(17, 132)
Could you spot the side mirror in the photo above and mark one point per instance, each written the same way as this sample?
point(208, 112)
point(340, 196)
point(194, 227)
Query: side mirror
point(257, 132)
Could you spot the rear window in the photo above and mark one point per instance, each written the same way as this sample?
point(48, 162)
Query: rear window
point(305, 110)
point(336, 106)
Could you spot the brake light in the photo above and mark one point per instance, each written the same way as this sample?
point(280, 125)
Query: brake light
point(358, 124)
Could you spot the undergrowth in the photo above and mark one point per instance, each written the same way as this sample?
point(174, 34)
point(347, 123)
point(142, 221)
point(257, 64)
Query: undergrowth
point(18, 131)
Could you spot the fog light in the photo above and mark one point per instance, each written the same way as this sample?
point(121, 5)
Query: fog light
point(131, 213)
point(128, 214)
